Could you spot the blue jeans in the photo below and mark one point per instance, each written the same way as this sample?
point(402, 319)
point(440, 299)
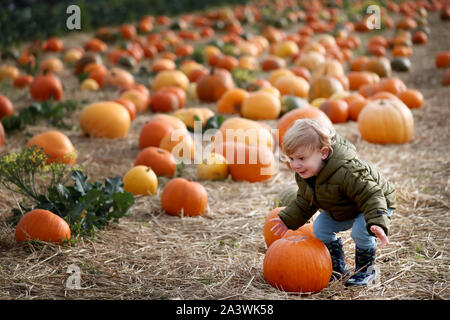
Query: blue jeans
point(325, 229)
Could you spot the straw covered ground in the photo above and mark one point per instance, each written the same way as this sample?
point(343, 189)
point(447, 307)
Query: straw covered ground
point(151, 255)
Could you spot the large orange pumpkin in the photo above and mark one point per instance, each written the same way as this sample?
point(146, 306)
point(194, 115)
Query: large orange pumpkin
point(386, 121)
point(270, 236)
point(298, 263)
point(288, 119)
point(56, 145)
point(46, 86)
point(183, 197)
point(42, 225)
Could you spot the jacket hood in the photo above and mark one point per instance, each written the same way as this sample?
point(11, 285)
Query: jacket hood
point(342, 152)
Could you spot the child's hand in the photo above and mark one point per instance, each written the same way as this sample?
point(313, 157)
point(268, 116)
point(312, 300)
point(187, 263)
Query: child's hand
point(379, 233)
point(280, 228)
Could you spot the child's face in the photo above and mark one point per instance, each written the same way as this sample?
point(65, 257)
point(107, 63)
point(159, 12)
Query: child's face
point(308, 163)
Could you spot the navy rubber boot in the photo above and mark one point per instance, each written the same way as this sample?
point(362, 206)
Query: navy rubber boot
point(365, 272)
point(338, 259)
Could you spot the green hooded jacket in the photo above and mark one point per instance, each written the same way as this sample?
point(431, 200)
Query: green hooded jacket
point(344, 187)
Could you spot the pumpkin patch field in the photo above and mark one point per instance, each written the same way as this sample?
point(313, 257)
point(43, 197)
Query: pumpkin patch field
point(145, 154)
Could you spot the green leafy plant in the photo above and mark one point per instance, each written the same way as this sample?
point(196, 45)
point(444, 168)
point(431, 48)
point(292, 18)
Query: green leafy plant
point(87, 207)
point(54, 114)
point(242, 77)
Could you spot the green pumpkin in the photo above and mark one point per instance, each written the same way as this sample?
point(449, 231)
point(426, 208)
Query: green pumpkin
point(401, 64)
point(291, 102)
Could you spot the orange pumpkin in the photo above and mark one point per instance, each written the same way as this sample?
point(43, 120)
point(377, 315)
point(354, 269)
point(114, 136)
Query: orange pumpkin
point(153, 131)
point(159, 160)
point(129, 105)
point(246, 131)
point(117, 77)
point(231, 101)
point(442, 59)
point(128, 31)
point(337, 110)
point(272, 63)
point(23, 81)
point(402, 51)
point(56, 145)
point(252, 163)
point(51, 64)
point(446, 78)
point(53, 44)
point(288, 119)
point(162, 64)
point(163, 101)
point(392, 85)
point(46, 86)
point(298, 263)
point(292, 85)
point(179, 143)
point(42, 225)
point(357, 79)
point(183, 197)
point(169, 78)
point(269, 235)
point(6, 107)
point(355, 108)
point(412, 98)
point(96, 45)
point(139, 99)
point(386, 121)
point(227, 62)
point(212, 86)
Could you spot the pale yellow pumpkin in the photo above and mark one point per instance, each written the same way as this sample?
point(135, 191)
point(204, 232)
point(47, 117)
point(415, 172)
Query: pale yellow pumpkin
point(261, 105)
point(105, 119)
point(170, 78)
point(213, 167)
point(140, 180)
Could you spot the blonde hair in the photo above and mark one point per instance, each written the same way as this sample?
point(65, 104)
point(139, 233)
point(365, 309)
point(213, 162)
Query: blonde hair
point(307, 133)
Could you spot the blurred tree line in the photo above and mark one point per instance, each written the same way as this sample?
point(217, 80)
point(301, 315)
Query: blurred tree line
point(24, 20)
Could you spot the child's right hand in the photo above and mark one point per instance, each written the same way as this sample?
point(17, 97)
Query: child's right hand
point(280, 227)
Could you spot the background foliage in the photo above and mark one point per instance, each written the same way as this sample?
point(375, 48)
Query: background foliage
point(23, 20)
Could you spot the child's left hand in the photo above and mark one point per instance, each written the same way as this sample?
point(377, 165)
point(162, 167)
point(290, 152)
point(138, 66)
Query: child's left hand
point(379, 233)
